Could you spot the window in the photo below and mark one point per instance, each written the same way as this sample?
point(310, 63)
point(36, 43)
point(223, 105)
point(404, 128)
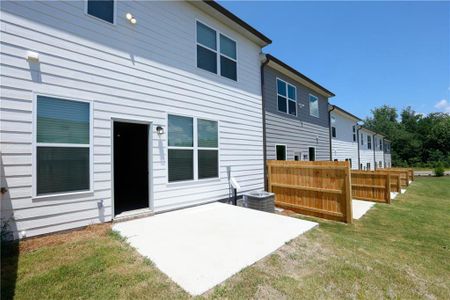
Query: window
point(368, 166)
point(381, 144)
point(362, 139)
point(184, 152)
point(360, 166)
point(333, 131)
point(350, 160)
point(207, 52)
point(312, 153)
point(369, 142)
point(62, 146)
point(287, 97)
point(313, 106)
point(281, 152)
point(380, 164)
point(102, 9)
point(354, 133)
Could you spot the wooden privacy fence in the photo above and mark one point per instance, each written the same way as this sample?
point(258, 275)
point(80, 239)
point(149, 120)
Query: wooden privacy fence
point(371, 186)
point(320, 189)
point(409, 170)
point(402, 173)
point(395, 182)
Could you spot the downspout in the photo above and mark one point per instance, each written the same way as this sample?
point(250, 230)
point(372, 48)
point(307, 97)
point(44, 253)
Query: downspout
point(263, 106)
point(329, 132)
point(359, 150)
point(374, 146)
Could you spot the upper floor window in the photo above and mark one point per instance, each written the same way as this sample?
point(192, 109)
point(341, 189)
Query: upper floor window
point(281, 152)
point(333, 131)
point(102, 9)
point(286, 97)
point(369, 142)
point(210, 46)
point(354, 133)
point(381, 144)
point(63, 146)
point(362, 139)
point(313, 106)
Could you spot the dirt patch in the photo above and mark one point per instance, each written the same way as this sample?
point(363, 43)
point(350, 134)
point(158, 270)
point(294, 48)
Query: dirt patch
point(266, 292)
point(90, 231)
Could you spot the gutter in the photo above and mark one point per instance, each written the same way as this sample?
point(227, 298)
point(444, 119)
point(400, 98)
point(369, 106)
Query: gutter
point(374, 147)
point(358, 127)
point(329, 132)
point(263, 106)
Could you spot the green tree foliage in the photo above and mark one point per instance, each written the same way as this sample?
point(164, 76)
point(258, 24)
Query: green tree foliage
point(417, 140)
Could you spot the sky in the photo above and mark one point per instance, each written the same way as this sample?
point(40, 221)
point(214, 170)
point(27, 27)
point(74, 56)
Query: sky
point(367, 53)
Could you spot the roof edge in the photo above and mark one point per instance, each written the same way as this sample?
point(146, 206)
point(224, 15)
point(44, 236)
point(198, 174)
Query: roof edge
point(213, 4)
point(345, 112)
point(304, 77)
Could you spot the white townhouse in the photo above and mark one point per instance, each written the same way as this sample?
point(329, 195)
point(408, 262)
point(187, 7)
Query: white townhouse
point(366, 148)
point(113, 108)
point(379, 151)
point(344, 136)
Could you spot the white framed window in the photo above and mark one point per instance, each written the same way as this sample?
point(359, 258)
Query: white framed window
point(104, 10)
point(286, 97)
point(193, 148)
point(362, 139)
point(381, 144)
point(354, 133)
point(216, 52)
point(63, 146)
point(333, 131)
point(369, 142)
point(281, 152)
point(313, 106)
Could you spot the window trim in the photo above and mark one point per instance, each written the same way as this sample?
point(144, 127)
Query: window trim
point(287, 97)
point(195, 150)
point(114, 23)
point(309, 104)
point(285, 151)
point(369, 139)
point(35, 144)
point(333, 132)
point(217, 51)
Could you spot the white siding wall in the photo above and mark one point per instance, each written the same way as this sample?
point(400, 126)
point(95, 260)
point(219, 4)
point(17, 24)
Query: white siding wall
point(343, 146)
point(366, 155)
point(140, 72)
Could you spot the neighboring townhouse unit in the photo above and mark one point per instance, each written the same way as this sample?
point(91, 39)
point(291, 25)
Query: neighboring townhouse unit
point(366, 150)
point(387, 153)
point(296, 114)
point(113, 108)
point(344, 136)
point(378, 151)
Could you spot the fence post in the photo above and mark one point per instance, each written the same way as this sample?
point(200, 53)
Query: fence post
point(412, 174)
point(269, 179)
point(348, 195)
point(388, 188)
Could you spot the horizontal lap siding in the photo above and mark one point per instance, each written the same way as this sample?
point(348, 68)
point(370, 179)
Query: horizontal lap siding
point(297, 136)
point(343, 146)
point(140, 72)
point(296, 132)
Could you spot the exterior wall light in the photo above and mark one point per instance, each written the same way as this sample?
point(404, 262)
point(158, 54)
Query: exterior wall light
point(131, 18)
point(32, 56)
point(159, 130)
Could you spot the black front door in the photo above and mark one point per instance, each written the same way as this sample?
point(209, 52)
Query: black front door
point(131, 173)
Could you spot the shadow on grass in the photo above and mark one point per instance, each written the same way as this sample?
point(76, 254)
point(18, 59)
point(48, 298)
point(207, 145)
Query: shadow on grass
point(9, 265)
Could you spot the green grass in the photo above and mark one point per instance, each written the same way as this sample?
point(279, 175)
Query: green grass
point(395, 251)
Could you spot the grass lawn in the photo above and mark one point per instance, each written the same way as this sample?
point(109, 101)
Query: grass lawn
point(396, 251)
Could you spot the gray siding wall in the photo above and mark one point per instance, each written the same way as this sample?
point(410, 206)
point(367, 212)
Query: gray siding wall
point(299, 132)
point(270, 98)
point(297, 136)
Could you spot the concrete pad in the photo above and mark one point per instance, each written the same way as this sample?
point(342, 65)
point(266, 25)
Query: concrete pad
point(393, 195)
point(402, 191)
point(360, 207)
point(202, 246)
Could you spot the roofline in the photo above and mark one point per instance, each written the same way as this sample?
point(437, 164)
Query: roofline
point(291, 69)
point(376, 133)
point(346, 112)
point(237, 20)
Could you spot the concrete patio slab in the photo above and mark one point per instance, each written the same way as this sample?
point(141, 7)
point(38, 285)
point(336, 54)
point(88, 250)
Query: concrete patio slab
point(393, 195)
point(202, 246)
point(360, 207)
